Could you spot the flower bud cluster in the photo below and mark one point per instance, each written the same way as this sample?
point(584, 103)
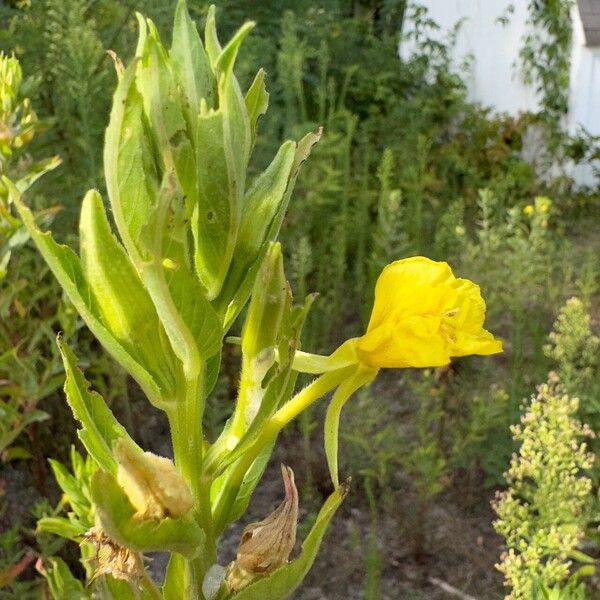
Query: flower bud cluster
point(542, 514)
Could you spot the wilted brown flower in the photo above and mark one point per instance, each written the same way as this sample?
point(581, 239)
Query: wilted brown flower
point(112, 559)
point(153, 484)
point(267, 545)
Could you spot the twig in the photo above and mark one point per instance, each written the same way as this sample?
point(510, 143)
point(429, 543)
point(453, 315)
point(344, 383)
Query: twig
point(450, 589)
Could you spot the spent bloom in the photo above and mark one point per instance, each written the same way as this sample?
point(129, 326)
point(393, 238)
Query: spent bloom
point(113, 559)
point(152, 483)
point(267, 545)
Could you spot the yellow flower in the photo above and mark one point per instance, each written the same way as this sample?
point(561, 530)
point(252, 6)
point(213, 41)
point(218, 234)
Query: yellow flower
point(529, 210)
point(543, 204)
point(422, 316)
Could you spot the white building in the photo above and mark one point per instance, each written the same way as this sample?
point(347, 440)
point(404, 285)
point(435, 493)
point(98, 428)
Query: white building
point(493, 45)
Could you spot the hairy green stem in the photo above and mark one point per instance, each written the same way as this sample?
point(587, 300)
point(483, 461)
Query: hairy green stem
point(287, 413)
point(187, 439)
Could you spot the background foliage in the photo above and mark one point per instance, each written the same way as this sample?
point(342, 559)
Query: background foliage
point(407, 165)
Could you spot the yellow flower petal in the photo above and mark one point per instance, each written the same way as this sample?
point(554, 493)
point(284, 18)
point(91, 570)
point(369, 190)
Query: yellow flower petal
point(422, 316)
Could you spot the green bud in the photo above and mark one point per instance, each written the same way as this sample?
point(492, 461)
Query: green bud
point(260, 335)
point(267, 305)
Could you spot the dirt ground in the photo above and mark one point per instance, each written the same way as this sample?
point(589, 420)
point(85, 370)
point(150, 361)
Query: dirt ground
point(460, 546)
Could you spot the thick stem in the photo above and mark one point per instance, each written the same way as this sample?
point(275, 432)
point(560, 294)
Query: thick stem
point(187, 439)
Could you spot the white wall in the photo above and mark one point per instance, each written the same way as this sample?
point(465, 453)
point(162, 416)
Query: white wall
point(496, 79)
point(584, 101)
point(493, 47)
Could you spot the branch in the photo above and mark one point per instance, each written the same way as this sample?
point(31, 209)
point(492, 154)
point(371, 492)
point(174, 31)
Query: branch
point(450, 589)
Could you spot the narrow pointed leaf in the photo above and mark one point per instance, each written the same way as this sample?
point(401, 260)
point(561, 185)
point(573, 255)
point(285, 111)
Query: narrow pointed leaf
point(303, 149)
point(162, 102)
point(66, 266)
point(174, 578)
point(261, 205)
point(214, 221)
point(130, 165)
point(257, 101)
point(99, 428)
point(62, 584)
point(190, 63)
point(117, 287)
point(211, 40)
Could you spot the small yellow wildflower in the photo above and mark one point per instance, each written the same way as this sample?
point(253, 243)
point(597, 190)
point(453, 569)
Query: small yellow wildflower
point(529, 210)
point(543, 204)
point(422, 316)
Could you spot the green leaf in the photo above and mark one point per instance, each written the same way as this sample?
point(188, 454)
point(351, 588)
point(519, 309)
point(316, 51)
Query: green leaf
point(72, 487)
point(303, 150)
point(261, 205)
point(18, 423)
point(257, 101)
point(66, 266)
point(251, 480)
point(100, 429)
point(197, 313)
point(14, 452)
point(36, 170)
point(130, 166)
point(174, 578)
point(162, 100)
point(61, 582)
point(61, 527)
point(120, 589)
point(190, 64)
point(242, 290)
point(119, 520)
point(281, 583)
point(237, 136)
point(236, 121)
point(222, 153)
point(214, 221)
point(123, 302)
point(211, 40)
point(213, 368)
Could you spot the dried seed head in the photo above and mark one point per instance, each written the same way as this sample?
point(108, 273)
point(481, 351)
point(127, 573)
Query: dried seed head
point(152, 483)
point(267, 545)
point(115, 560)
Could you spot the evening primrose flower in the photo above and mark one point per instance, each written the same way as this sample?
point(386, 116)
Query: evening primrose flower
point(423, 316)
